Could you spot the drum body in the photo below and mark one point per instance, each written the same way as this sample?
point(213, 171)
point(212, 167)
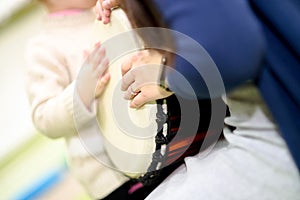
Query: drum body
point(144, 141)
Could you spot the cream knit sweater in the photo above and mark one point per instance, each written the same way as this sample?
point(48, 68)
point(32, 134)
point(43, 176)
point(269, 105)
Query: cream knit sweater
point(55, 57)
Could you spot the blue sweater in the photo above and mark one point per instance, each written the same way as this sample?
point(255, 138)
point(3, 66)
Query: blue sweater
point(258, 42)
point(279, 80)
point(227, 30)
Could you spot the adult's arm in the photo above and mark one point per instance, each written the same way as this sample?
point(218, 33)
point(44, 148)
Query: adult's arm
point(227, 30)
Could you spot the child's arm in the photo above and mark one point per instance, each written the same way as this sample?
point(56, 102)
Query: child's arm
point(52, 94)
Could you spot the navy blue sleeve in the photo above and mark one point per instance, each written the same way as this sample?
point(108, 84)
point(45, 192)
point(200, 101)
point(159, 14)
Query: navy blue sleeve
point(227, 30)
point(279, 80)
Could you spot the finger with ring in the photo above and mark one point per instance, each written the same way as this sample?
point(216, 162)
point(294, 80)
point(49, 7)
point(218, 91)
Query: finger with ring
point(132, 92)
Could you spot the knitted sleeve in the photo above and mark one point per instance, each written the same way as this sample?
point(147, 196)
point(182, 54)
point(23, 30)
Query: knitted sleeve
point(52, 93)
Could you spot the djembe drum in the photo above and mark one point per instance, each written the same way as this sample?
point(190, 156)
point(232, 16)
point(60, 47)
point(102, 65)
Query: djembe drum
point(144, 142)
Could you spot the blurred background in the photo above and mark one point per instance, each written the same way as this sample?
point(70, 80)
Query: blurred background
point(31, 165)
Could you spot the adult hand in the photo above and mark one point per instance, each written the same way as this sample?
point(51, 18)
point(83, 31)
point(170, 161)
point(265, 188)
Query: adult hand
point(141, 74)
point(103, 9)
point(93, 75)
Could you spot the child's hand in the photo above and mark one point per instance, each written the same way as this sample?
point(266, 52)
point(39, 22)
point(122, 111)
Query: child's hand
point(102, 84)
point(103, 9)
point(93, 75)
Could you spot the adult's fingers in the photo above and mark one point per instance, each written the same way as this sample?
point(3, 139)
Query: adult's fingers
point(132, 91)
point(139, 100)
point(147, 94)
point(127, 80)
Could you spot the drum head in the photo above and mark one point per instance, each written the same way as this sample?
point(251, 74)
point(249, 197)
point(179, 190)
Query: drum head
point(129, 134)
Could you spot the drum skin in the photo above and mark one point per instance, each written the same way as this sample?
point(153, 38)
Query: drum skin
point(129, 134)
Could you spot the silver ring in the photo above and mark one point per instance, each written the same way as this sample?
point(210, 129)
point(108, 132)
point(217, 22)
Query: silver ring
point(133, 93)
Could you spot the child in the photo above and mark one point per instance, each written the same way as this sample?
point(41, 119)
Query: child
point(57, 91)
